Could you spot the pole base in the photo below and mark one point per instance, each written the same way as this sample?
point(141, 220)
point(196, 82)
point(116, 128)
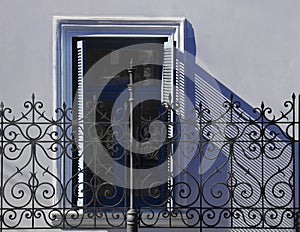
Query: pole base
point(297, 222)
point(132, 220)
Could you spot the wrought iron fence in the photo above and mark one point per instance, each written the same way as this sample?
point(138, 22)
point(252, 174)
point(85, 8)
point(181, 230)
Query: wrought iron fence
point(242, 169)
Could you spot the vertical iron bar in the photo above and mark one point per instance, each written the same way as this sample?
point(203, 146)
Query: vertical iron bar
point(231, 183)
point(170, 164)
point(231, 164)
point(262, 164)
point(201, 163)
point(298, 168)
point(33, 154)
point(132, 217)
point(95, 196)
point(64, 150)
point(2, 157)
point(33, 187)
point(293, 153)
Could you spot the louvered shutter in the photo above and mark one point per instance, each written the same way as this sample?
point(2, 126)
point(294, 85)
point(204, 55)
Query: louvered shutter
point(167, 99)
point(80, 116)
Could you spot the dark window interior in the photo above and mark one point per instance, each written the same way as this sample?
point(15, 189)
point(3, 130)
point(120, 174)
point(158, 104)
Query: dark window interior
point(144, 112)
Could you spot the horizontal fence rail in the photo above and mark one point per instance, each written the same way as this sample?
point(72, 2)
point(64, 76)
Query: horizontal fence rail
point(215, 168)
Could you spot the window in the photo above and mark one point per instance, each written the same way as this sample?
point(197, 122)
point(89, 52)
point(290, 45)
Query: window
point(80, 43)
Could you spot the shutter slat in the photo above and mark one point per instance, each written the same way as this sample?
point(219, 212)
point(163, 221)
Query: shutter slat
point(167, 73)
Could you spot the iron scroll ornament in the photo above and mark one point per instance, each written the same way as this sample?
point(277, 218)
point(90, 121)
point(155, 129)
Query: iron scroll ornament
point(252, 185)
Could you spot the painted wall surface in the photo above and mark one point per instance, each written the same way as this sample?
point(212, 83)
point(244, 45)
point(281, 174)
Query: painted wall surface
point(250, 46)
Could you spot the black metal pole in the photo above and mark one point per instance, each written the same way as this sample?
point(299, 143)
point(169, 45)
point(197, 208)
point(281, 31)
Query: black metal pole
point(297, 138)
point(132, 214)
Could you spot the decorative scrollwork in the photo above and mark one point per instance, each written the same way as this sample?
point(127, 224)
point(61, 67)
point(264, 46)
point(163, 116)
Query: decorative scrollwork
point(242, 170)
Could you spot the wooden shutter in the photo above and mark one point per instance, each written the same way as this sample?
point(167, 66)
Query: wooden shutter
point(80, 116)
point(167, 99)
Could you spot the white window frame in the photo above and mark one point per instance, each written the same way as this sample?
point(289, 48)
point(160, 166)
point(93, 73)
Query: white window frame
point(65, 28)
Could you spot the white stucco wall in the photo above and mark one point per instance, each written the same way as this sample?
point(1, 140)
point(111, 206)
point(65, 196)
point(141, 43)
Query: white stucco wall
point(250, 46)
